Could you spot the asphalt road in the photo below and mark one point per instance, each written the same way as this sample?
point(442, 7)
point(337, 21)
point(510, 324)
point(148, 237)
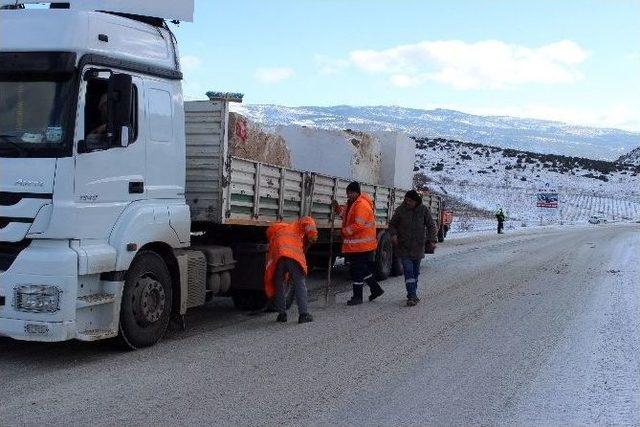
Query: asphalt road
point(526, 328)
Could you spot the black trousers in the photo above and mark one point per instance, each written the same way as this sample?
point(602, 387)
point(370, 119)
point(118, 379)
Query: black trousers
point(362, 268)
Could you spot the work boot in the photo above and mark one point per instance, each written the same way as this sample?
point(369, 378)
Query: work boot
point(412, 301)
point(282, 318)
point(356, 299)
point(305, 318)
point(376, 291)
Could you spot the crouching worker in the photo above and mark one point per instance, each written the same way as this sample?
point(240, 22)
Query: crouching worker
point(359, 241)
point(286, 261)
point(412, 231)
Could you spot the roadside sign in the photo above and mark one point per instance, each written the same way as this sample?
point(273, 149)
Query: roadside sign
point(547, 197)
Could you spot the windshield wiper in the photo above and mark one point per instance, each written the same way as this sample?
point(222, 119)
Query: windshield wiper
point(7, 138)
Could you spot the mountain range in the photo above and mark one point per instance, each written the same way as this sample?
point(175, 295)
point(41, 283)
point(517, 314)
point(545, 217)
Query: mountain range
point(631, 158)
point(541, 136)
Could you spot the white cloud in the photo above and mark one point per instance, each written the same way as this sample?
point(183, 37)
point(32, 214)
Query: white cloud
point(190, 63)
point(634, 56)
point(489, 64)
point(273, 75)
point(405, 80)
point(329, 66)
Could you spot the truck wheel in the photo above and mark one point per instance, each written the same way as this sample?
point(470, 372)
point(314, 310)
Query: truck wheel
point(384, 257)
point(440, 235)
point(249, 299)
point(146, 301)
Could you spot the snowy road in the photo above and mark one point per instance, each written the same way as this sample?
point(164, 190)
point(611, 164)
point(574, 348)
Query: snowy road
point(539, 327)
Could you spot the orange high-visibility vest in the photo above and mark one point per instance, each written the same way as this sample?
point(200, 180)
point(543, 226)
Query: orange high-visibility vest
point(287, 240)
point(359, 226)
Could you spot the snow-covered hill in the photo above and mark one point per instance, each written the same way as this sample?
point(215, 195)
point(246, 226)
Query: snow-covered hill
point(631, 158)
point(508, 132)
point(489, 177)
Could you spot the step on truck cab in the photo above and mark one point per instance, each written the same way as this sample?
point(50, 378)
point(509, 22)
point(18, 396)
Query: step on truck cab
point(120, 205)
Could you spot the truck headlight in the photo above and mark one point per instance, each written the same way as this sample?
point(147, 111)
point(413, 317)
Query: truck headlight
point(37, 298)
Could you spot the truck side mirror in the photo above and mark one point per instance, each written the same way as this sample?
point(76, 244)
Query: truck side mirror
point(119, 107)
point(124, 136)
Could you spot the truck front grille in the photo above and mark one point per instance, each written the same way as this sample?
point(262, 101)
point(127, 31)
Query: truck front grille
point(4, 221)
point(9, 252)
point(10, 199)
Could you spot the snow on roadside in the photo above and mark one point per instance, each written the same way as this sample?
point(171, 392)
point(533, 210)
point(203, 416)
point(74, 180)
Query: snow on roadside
point(490, 177)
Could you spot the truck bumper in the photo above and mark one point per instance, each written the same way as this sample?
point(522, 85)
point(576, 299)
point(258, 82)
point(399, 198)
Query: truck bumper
point(42, 263)
point(27, 330)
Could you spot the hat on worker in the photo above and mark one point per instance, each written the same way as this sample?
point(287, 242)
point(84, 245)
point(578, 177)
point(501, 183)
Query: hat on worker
point(413, 195)
point(353, 187)
point(308, 223)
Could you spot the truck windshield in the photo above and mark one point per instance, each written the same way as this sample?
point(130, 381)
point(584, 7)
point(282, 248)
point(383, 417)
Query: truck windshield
point(34, 118)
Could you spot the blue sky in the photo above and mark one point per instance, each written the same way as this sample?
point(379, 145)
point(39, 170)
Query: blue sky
point(574, 61)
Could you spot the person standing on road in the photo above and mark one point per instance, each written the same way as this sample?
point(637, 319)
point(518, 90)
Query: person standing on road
point(359, 241)
point(413, 232)
point(286, 260)
point(500, 217)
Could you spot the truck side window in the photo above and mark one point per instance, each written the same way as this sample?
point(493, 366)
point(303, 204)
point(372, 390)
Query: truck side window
point(95, 112)
point(134, 115)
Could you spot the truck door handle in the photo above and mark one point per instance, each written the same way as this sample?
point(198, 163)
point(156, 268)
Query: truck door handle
point(136, 187)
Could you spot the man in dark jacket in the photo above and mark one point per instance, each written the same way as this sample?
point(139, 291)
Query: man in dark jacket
point(412, 231)
point(500, 217)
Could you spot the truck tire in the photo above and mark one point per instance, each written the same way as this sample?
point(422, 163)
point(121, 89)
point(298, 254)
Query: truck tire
point(146, 301)
point(252, 300)
point(384, 257)
point(441, 235)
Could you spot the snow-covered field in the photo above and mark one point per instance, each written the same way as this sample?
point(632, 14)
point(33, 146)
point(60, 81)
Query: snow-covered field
point(490, 177)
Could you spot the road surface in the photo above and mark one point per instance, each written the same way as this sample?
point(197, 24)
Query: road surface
point(527, 328)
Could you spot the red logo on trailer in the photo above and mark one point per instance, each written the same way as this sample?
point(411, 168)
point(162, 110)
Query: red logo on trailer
point(241, 130)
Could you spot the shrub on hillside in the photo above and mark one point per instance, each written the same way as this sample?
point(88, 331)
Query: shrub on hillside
point(421, 181)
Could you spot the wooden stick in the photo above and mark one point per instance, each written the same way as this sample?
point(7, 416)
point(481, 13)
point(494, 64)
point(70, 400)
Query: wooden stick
point(329, 297)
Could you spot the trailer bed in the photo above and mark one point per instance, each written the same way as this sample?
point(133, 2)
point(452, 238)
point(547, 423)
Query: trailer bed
point(228, 190)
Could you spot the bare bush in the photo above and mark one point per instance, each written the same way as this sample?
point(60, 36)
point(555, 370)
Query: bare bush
point(421, 181)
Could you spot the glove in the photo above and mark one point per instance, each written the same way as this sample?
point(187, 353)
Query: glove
point(430, 248)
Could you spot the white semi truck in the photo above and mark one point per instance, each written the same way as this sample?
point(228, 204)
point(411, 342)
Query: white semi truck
point(120, 205)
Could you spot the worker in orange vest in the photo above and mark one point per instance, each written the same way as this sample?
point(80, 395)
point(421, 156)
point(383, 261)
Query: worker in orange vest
point(359, 241)
point(286, 260)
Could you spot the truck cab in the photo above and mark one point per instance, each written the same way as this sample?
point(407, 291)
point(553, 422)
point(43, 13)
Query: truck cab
point(92, 168)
